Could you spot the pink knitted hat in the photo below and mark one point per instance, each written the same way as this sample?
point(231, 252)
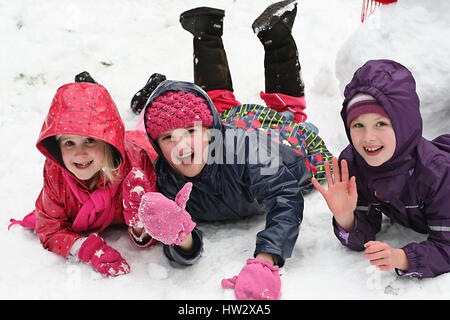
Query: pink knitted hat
point(174, 110)
point(363, 103)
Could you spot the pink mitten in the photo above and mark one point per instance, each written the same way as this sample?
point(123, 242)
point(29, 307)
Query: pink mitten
point(133, 188)
point(258, 280)
point(102, 257)
point(164, 219)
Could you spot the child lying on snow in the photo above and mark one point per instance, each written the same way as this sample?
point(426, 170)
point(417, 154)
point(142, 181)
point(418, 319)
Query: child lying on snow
point(394, 171)
point(88, 154)
point(190, 138)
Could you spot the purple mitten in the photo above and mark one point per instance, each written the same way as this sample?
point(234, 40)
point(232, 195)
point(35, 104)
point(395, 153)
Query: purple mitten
point(258, 280)
point(102, 257)
point(164, 219)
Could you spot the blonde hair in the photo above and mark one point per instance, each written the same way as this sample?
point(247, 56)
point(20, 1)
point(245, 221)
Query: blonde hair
point(110, 167)
point(111, 164)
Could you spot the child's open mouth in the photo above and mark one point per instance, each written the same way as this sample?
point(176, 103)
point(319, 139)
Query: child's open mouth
point(83, 165)
point(187, 159)
point(373, 151)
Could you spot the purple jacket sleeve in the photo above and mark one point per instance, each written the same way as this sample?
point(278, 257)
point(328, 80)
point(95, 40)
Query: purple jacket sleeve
point(432, 257)
point(367, 224)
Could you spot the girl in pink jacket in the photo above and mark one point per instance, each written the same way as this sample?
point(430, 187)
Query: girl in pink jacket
point(88, 157)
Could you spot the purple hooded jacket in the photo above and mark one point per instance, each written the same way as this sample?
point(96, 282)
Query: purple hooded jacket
point(413, 187)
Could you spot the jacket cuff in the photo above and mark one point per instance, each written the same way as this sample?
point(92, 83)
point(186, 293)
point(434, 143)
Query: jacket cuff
point(182, 257)
point(73, 252)
point(413, 261)
point(341, 233)
point(277, 258)
point(143, 241)
point(355, 239)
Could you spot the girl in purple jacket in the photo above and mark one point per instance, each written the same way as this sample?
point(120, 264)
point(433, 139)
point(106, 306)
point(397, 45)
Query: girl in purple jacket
point(393, 170)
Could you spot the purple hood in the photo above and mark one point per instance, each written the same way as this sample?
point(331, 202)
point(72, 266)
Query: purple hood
point(395, 89)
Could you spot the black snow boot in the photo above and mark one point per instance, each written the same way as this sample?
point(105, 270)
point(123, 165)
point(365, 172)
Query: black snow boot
point(84, 77)
point(211, 69)
point(139, 100)
point(281, 65)
point(203, 20)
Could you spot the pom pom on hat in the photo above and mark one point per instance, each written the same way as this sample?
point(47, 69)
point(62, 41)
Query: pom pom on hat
point(363, 103)
point(174, 110)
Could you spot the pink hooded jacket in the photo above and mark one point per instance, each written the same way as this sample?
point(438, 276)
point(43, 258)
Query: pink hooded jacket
point(65, 209)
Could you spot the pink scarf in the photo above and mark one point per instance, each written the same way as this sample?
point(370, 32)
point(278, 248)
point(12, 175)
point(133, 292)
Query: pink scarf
point(96, 213)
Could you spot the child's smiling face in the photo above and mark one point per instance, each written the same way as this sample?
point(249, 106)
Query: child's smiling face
point(373, 137)
point(83, 156)
point(185, 149)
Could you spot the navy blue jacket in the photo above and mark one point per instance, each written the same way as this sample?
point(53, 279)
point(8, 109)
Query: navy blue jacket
point(227, 190)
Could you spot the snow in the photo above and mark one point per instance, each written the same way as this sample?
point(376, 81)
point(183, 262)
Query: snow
point(121, 43)
point(412, 34)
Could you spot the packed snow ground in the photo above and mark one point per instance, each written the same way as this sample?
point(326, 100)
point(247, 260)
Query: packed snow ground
point(121, 43)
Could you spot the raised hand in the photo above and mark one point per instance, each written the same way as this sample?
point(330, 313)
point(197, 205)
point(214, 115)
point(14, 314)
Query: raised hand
point(341, 196)
point(164, 219)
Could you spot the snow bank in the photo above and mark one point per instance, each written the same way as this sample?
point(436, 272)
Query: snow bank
point(414, 33)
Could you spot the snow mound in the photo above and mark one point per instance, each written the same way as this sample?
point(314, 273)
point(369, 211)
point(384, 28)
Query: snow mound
point(414, 33)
